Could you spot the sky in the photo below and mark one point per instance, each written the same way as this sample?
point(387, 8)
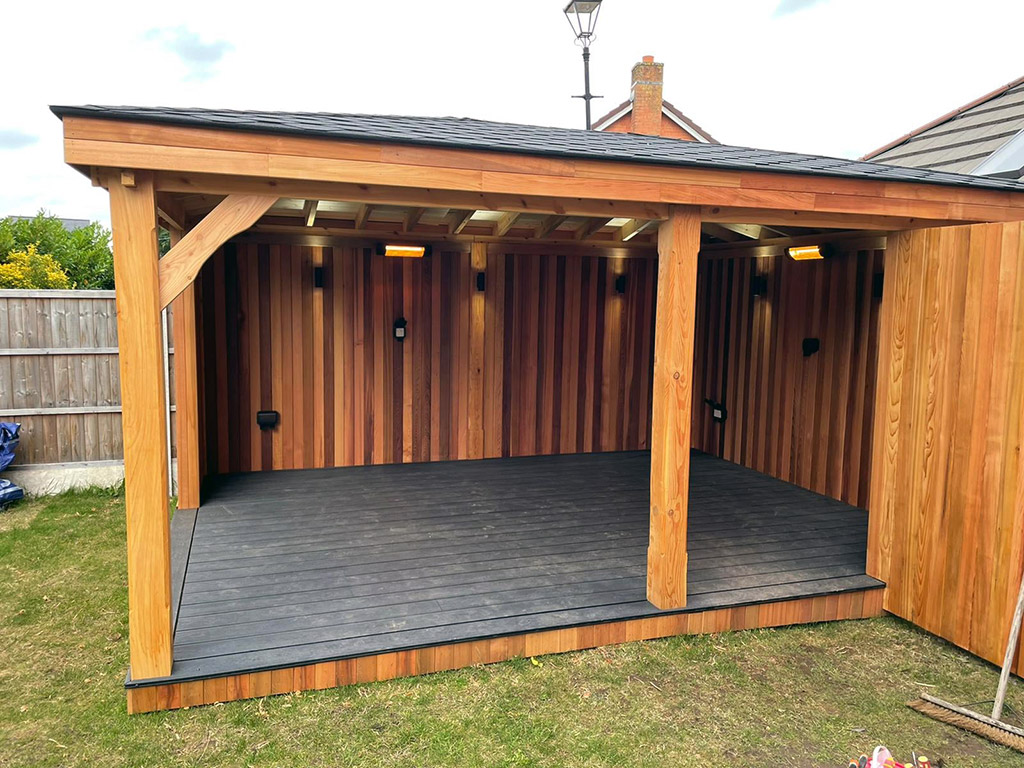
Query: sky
point(830, 77)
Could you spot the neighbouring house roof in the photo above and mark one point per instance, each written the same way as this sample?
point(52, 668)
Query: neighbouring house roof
point(668, 110)
point(69, 224)
point(963, 140)
point(466, 133)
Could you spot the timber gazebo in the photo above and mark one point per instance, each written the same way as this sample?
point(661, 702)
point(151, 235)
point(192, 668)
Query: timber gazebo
point(453, 391)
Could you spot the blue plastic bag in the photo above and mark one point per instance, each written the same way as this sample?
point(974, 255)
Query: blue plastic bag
point(9, 493)
point(8, 442)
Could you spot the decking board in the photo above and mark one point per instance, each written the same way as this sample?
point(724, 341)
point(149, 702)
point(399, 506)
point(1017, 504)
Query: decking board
point(303, 567)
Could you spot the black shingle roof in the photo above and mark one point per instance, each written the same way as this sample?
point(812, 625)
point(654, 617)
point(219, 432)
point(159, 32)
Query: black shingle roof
point(466, 133)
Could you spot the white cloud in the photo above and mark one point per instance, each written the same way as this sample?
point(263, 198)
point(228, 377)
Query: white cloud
point(12, 138)
point(200, 58)
point(831, 82)
point(786, 7)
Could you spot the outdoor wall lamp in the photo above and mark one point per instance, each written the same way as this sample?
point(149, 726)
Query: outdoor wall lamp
point(807, 252)
point(759, 285)
point(582, 18)
point(401, 329)
point(403, 251)
point(620, 284)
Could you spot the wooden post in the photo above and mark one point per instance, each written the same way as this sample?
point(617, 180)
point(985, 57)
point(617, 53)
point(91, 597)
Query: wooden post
point(477, 396)
point(678, 246)
point(186, 397)
point(144, 407)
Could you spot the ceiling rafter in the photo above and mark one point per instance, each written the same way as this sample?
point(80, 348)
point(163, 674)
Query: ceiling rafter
point(590, 227)
point(549, 225)
point(363, 215)
point(458, 220)
point(505, 223)
point(412, 218)
point(632, 228)
point(309, 212)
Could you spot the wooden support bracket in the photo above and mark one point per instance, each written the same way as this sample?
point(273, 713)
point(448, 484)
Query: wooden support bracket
point(179, 267)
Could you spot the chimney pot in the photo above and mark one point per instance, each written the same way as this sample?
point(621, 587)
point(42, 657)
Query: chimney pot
point(648, 59)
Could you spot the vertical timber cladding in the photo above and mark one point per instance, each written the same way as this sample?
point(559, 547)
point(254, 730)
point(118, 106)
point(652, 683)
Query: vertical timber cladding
point(549, 358)
point(947, 493)
point(806, 420)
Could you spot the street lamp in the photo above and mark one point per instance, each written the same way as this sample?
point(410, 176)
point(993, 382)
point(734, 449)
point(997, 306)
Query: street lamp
point(582, 18)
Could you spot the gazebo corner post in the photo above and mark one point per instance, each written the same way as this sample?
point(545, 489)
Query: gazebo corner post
point(133, 217)
point(678, 250)
point(186, 396)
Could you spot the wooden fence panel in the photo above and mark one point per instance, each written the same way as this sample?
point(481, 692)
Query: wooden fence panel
point(59, 375)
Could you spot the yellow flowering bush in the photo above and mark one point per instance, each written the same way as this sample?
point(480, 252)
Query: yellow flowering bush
point(31, 269)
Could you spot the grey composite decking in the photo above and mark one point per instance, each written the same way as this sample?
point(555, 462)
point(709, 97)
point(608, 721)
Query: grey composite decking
point(296, 567)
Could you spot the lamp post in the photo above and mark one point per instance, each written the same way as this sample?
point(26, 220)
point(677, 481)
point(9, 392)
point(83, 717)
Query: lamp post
point(582, 18)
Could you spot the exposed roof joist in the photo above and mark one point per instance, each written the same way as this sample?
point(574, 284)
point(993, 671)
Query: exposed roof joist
point(309, 211)
point(590, 227)
point(505, 223)
point(549, 225)
point(363, 215)
point(458, 219)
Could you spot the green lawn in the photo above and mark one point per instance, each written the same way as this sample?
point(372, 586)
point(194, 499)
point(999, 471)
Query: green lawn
point(805, 696)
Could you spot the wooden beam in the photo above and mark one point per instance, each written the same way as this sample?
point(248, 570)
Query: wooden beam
point(748, 231)
point(191, 150)
point(814, 220)
point(549, 225)
point(186, 395)
point(632, 228)
point(412, 218)
point(478, 230)
point(144, 409)
point(505, 223)
point(721, 232)
point(215, 184)
point(457, 221)
point(363, 215)
point(181, 264)
point(678, 249)
point(590, 227)
point(309, 212)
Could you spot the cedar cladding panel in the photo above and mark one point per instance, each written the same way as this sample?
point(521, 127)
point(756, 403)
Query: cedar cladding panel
point(807, 420)
point(548, 359)
point(947, 494)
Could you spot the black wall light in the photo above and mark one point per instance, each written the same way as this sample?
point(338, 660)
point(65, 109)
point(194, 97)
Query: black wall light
point(620, 284)
point(811, 347)
point(400, 329)
point(267, 419)
point(759, 285)
point(481, 281)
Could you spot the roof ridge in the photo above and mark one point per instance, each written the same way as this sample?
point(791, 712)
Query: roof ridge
point(948, 116)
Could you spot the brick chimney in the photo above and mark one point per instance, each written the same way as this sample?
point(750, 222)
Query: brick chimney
point(648, 78)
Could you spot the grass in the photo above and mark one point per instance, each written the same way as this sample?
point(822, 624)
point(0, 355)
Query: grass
point(804, 696)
